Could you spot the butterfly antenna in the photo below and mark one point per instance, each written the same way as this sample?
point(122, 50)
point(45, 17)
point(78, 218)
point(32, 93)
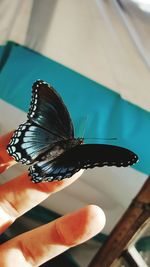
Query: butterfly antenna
point(85, 123)
point(97, 138)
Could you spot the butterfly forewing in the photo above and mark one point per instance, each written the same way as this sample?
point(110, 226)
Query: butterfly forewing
point(82, 157)
point(48, 122)
point(49, 112)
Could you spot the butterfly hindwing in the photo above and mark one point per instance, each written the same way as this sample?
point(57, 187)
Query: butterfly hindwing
point(81, 157)
point(47, 171)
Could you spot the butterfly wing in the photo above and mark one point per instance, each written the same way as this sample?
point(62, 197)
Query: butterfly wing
point(48, 122)
point(49, 112)
point(30, 141)
point(81, 157)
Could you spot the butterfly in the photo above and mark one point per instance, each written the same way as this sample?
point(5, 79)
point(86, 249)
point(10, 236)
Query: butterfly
point(46, 141)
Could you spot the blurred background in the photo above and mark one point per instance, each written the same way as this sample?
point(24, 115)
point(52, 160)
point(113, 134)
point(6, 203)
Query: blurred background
point(87, 49)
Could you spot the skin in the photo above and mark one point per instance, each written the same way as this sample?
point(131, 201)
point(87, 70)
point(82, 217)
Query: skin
point(35, 247)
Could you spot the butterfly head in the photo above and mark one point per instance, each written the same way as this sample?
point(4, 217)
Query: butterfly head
point(80, 141)
point(72, 143)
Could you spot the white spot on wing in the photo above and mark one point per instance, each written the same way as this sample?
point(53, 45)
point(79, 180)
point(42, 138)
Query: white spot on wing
point(23, 127)
point(16, 141)
point(13, 148)
point(18, 133)
point(18, 154)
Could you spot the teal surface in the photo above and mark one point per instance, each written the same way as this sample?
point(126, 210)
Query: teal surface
point(96, 111)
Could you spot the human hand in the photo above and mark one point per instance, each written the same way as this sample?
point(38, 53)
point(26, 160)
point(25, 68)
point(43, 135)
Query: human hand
point(35, 247)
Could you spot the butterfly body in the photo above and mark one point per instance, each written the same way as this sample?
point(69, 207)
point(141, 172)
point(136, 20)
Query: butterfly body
point(59, 148)
point(47, 143)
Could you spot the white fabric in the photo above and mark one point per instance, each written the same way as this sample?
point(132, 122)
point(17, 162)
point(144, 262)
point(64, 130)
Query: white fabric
point(90, 37)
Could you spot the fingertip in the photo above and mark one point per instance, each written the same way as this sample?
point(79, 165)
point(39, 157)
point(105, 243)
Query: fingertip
point(96, 214)
point(81, 225)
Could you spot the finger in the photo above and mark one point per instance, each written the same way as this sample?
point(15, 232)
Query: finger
point(20, 195)
point(37, 246)
point(6, 161)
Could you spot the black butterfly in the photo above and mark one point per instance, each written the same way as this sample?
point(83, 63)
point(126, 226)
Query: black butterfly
point(47, 141)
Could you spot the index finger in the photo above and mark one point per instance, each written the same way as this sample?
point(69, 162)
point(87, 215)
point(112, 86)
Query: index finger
point(20, 195)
